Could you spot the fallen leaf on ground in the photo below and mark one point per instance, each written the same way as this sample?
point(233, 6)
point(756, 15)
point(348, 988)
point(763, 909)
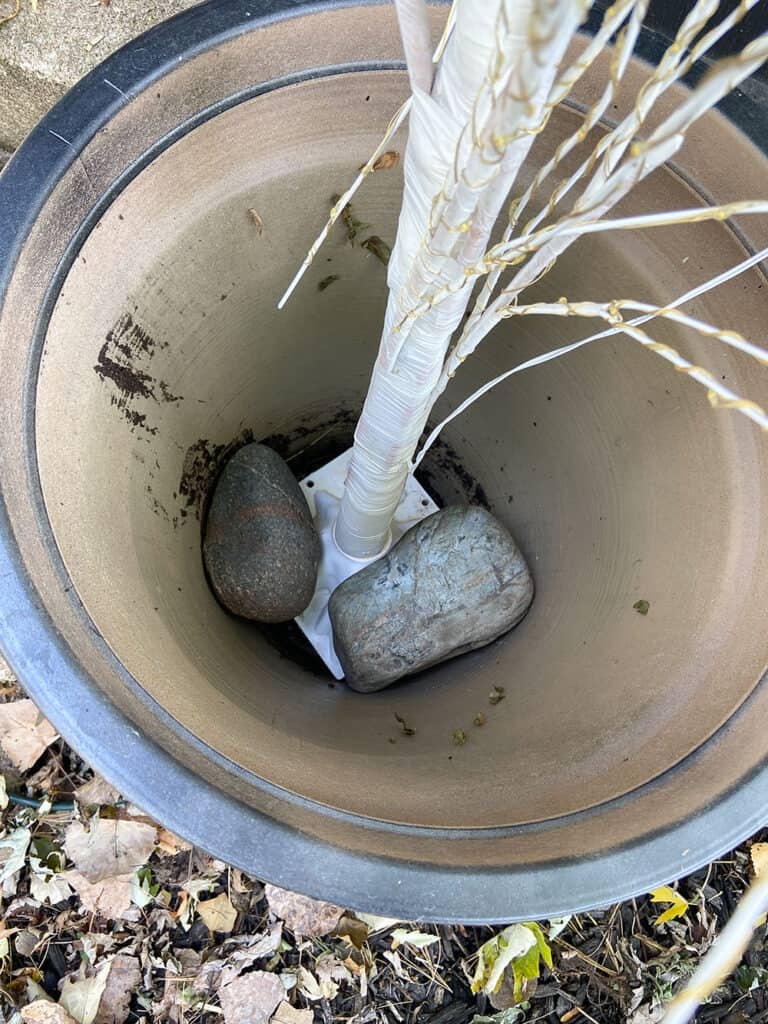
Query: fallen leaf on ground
point(402, 937)
point(103, 995)
point(353, 930)
point(97, 792)
point(109, 898)
point(287, 1014)
point(218, 914)
point(220, 971)
point(251, 998)
point(81, 996)
point(16, 844)
point(308, 985)
point(170, 844)
point(43, 1011)
point(123, 979)
point(646, 1014)
point(195, 887)
point(511, 1015)
point(678, 903)
point(331, 972)
point(518, 948)
point(46, 884)
point(759, 855)
point(301, 914)
point(109, 848)
point(24, 733)
point(376, 923)
point(27, 941)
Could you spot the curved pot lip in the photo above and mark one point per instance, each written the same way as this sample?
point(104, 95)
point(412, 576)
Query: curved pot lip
point(147, 773)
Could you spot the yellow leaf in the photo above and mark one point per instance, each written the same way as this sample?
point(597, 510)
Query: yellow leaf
point(759, 854)
point(666, 894)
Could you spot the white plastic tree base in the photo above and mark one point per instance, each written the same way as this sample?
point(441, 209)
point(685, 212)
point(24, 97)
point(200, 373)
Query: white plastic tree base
point(323, 491)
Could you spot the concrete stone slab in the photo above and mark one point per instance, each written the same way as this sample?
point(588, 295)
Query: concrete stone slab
point(51, 44)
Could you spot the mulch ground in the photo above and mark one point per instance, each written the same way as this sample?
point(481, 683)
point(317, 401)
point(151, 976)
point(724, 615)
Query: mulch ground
point(108, 918)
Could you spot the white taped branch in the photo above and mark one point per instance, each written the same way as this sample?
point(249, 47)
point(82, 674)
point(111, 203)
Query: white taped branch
point(467, 141)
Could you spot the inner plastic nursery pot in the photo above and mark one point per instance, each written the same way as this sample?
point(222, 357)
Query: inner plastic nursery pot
point(148, 227)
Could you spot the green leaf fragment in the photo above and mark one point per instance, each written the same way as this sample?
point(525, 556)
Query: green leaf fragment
point(642, 607)
point(350, 221)
point(377, 247)
point(519, 948)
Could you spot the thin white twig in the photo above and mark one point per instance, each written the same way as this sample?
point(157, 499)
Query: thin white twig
point(394, 124)
point(338, 207)
point(689, 296)
point(505, 253)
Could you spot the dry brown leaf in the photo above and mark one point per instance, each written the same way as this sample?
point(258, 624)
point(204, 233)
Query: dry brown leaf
point(97, 792)
point(353, 930)
point(251, 998)
point(109, 848)
point(218, 914)
point(759, 854)
point(387, 160)
point(287, 1014)
point(301, 914)
point(170, 844)
point(24, 733)
point(43, 1011)
point(250, 948)
point(240, 881)
point(123, 980)
point(256, 218)
point(109, 898)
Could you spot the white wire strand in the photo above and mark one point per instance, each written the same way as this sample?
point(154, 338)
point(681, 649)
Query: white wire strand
point(694, 293)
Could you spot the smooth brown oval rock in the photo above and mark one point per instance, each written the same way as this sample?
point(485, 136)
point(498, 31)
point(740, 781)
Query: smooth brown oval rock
point(454, 582)
point(261, 548)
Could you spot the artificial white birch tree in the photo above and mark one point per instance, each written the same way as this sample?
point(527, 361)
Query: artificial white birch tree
point(473, 117)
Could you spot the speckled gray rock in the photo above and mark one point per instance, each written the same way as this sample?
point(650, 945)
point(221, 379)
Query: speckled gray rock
point(261, 548)
point(452, 583)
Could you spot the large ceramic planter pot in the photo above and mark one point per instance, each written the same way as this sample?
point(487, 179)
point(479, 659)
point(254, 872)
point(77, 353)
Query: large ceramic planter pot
point(140, 344)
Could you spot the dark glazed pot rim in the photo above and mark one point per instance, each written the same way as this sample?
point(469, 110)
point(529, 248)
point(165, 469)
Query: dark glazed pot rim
point(148, 774)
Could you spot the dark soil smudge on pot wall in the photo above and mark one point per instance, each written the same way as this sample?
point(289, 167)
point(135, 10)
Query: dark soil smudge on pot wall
point(203, 461)
point(123, 365)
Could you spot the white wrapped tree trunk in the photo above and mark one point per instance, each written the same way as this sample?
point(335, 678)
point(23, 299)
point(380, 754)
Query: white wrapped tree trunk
point(467, 141)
